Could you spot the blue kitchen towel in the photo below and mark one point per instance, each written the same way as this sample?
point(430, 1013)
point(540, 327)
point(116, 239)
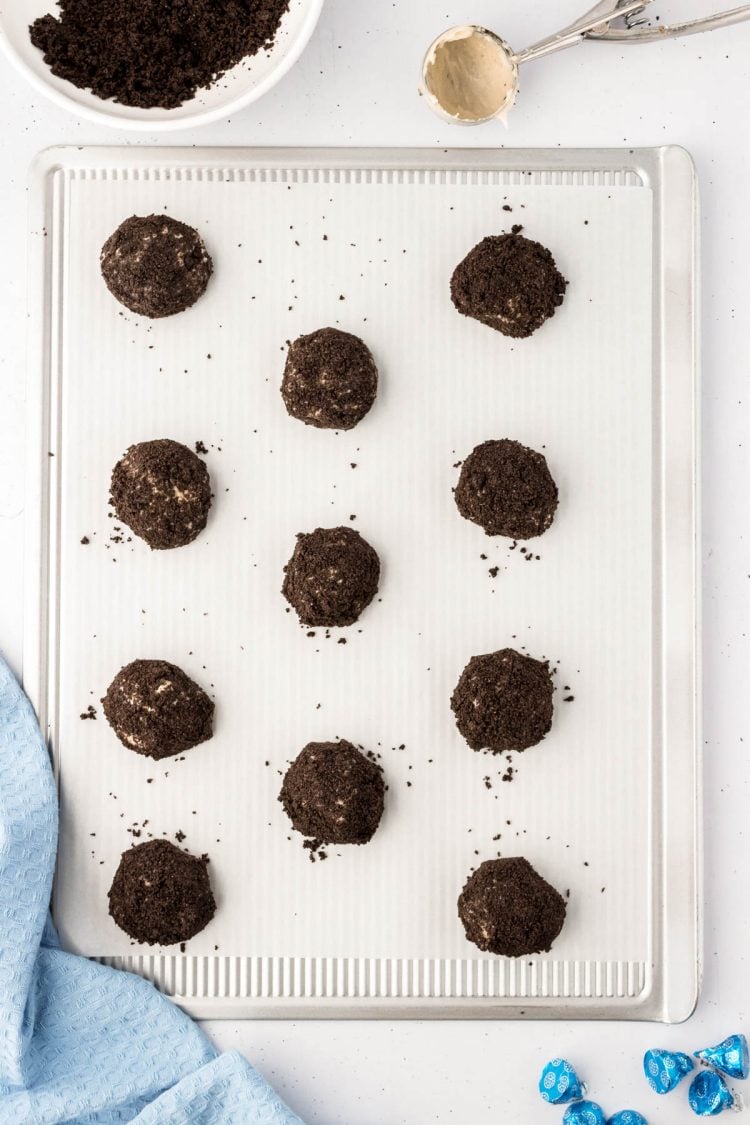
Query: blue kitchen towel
point(80, 1042)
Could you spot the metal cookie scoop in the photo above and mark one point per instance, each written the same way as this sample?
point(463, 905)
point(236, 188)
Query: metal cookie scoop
point(470, 74)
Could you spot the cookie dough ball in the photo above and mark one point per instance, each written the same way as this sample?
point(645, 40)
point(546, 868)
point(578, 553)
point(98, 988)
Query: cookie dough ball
point(162, 491)
point(331, 577)
point(507, 908)
point(333, 793)
point(330, 379)
point(157, 710)
point(509, 283)
point(161, 894)
point(155, 266)
point(503, 701)
point(507, 489)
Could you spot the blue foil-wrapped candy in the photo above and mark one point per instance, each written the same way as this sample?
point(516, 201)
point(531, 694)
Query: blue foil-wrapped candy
point(730, 1057)
point(560, 1083)
point(666, 1069)
point(709, 1094)
point(627, 1117)
point(584, 1113)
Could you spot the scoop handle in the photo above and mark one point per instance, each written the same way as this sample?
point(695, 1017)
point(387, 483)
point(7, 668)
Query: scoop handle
point(600, 15)
point(671, 31)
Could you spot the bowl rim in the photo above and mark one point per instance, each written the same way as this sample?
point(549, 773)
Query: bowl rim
point(162, 123)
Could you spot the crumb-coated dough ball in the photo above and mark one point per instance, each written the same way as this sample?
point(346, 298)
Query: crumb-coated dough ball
point(162, 491)
point(330, 379)
point(509, 283)
point(333, 793)
point(155, 709)
point(507, 908)
point(161, 894)
point(155, 266)
point(507, 489)
point(331, 577)
point(503, 701)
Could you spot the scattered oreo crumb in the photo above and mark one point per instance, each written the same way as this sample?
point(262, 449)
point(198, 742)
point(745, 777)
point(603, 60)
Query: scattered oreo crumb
point(316, 849)
point(89, 713)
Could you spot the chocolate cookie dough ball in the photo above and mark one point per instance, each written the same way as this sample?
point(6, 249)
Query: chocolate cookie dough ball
point(330, 379)
point(155, 266)
point(503, 701)
point(333, 793)
point(162, 491)
point(508, 909)
point(509, 283)
point(507, 489)
point(331, 577)
point(157, 710)
point(161, 894)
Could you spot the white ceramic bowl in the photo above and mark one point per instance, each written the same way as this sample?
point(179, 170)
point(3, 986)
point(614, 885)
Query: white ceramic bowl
point(243, 84)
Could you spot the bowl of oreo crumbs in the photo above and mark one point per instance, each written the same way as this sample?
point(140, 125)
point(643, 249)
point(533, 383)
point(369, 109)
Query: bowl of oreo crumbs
point(155, 65)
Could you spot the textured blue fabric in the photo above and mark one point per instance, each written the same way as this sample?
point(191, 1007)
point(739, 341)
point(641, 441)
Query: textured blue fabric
point(80, 1042)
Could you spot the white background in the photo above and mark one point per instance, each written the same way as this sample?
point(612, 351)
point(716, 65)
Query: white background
point(356, 85)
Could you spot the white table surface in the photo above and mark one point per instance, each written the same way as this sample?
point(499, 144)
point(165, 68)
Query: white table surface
point(356, 85)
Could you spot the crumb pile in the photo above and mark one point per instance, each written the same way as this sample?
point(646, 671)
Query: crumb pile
point(148, 53)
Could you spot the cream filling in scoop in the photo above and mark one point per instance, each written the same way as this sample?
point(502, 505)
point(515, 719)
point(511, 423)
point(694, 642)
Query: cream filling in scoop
point(470, 74)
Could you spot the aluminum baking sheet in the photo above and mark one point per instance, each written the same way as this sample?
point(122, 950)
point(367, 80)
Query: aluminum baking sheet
point(607, 806)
